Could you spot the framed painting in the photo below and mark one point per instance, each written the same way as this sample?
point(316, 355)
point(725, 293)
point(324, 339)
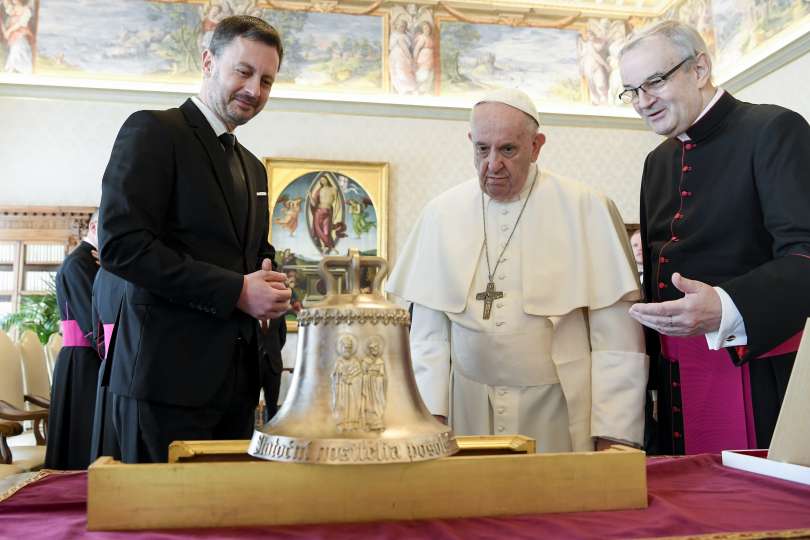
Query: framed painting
point(320, 208)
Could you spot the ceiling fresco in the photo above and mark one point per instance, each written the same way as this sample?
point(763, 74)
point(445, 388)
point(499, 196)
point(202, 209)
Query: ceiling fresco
point(564, 53)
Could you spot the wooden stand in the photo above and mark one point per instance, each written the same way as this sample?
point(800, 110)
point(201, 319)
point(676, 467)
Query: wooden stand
point(245, 493)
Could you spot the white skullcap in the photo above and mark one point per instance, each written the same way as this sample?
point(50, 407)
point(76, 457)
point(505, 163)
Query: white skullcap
point(513, 97)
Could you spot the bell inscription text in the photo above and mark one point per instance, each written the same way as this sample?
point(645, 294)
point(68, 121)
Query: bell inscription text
point(345, 451)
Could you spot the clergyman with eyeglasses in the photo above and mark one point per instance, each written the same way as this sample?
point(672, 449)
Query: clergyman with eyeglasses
point(725, 226)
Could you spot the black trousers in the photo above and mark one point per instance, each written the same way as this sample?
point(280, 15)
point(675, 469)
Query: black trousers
point(103, 441)
point(145, 429)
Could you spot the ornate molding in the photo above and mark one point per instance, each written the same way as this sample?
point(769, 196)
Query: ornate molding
point(332, 6)
point(528, 18)
point(556, 14)
point(27, 222)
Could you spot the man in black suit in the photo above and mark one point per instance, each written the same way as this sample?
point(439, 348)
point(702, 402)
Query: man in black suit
point(184, 220)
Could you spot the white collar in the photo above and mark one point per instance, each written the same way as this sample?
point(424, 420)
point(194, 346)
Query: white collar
point(213, 120)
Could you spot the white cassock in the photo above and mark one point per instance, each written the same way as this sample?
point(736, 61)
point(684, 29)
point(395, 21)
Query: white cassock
point(560, 359)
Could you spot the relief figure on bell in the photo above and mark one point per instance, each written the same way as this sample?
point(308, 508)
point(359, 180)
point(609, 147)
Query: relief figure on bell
point(374, 385)
point(347, 386)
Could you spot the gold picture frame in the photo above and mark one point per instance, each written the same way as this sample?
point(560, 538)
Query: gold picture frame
point(319, 208)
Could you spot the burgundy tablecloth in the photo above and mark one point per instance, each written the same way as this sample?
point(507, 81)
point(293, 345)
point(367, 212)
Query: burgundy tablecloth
point(688, 496)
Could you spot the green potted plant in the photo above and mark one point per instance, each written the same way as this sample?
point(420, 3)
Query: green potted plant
point(38, 313)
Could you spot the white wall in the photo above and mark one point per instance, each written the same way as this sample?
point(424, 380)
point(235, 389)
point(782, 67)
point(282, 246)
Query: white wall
point(786, 86)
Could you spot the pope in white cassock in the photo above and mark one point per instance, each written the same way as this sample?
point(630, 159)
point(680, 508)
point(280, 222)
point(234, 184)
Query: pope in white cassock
point(521, 283)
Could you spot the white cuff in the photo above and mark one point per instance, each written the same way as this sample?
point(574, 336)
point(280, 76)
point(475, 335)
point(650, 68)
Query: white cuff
point(618, 387)
point(732, 327)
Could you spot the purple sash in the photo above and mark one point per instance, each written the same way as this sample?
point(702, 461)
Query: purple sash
point(72, 335)
point(108, 332)
point(716, 396)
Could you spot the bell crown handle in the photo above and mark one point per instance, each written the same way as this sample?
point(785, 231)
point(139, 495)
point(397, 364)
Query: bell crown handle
point(353, 263)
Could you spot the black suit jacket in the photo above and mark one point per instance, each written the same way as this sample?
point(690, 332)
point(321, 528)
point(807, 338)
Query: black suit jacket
point(167, 226)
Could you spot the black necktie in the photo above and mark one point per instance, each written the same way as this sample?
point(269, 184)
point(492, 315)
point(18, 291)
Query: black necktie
point(240, 195)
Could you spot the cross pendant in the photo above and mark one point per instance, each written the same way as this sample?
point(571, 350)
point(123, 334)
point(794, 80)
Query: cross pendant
point(488, 297)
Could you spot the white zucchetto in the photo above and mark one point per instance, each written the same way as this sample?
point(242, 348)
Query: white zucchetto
point(512, 97)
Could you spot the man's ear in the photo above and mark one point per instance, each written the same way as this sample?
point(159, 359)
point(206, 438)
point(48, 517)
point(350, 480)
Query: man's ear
point(537, 143)
point(207, 62)
point(703, 69)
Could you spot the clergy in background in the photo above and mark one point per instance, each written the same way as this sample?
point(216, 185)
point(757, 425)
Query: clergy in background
point(73, 392)
point(725, 228)
point(520, 283)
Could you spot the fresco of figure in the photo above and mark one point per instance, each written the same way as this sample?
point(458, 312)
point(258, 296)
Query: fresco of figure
point(17, 34)
point(423, 54)
point(593, 64)
point(400, 58)
point(617, 36)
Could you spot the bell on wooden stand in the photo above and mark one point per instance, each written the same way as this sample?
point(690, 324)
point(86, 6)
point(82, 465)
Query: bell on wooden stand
point(353, 397)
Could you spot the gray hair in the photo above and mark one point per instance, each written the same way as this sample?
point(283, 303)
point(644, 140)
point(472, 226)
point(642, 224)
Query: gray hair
point(683, 37)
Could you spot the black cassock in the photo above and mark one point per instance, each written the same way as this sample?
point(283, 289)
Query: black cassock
point(731, 207)
point(73, 391)
point(108, 293)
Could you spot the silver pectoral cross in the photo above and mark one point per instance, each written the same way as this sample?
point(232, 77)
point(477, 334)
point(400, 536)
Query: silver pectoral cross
point(489, 296)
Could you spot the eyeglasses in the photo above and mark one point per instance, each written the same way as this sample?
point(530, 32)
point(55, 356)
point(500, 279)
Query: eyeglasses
point(656, 82)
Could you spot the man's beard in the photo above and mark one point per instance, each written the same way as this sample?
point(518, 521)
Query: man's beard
point(240, 117)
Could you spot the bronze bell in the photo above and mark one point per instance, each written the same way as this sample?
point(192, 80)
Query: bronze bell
point(353, 397)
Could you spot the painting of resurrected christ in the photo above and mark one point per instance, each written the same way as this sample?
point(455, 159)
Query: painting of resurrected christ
point(324, 213)
point(319, 209)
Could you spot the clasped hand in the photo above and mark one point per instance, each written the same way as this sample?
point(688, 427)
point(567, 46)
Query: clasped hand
point(265, 294)
point(697, 313)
